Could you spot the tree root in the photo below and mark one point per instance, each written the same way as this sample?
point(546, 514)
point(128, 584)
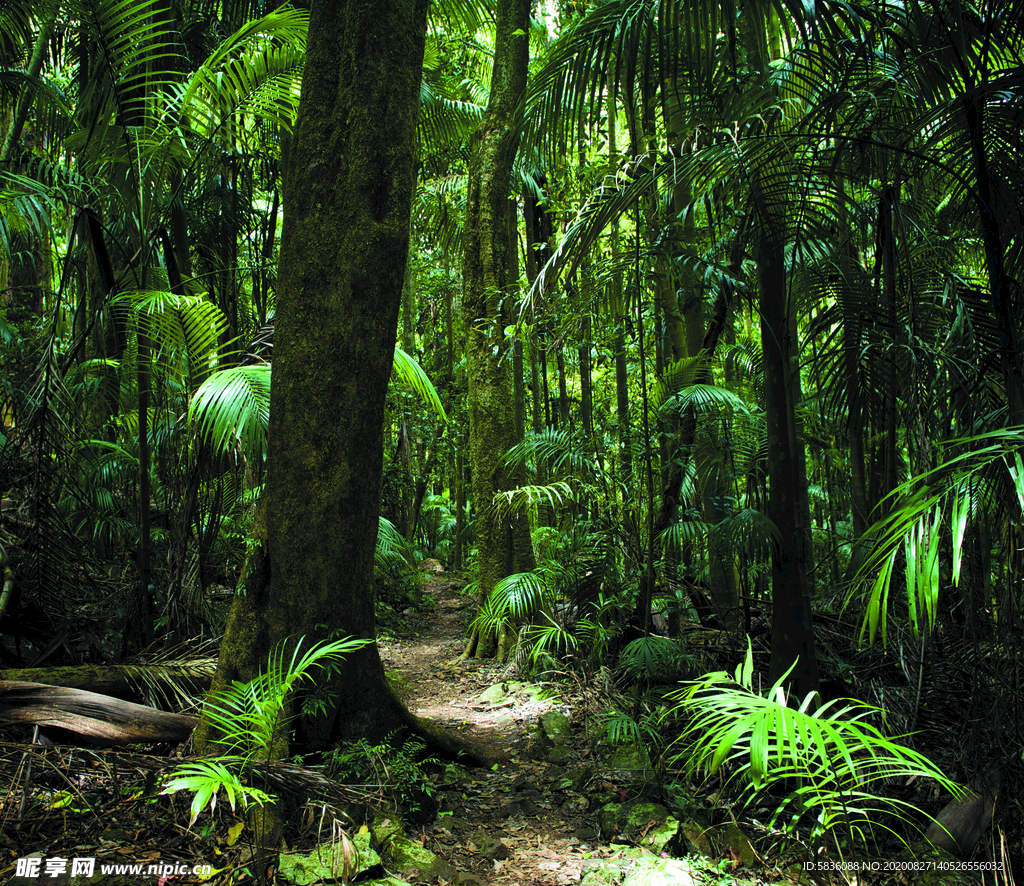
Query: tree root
point(446, 743)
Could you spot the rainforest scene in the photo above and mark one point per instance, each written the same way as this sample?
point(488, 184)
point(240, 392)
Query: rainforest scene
point(547, 442)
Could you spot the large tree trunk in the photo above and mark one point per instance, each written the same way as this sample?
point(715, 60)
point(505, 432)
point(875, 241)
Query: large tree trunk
point(348, 197)
point(503, 545)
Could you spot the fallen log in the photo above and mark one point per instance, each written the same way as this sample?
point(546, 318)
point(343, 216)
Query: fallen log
point(963, 823)
point(117, 679)
point(101, 719)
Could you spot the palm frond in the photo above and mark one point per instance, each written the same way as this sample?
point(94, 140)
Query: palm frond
point(257, 71)
point(748, 530)
point(392, 546)
point(444, 122)
point(409, 371)
point(520, 595)
point(231, 410)
point(518, 501)
point(185, 330)
point(833, 749)
point(560, 448)
point(914, 526)
point(654, 658)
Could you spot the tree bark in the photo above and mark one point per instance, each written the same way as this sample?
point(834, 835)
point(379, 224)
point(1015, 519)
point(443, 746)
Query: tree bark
point(792, 631)
point(348, 197)
point(503, 546)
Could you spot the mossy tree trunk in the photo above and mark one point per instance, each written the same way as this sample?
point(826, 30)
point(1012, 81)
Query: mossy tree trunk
point(490, 280)
point(348, 197)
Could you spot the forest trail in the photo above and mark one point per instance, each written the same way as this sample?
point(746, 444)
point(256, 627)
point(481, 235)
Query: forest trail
point(520, 823)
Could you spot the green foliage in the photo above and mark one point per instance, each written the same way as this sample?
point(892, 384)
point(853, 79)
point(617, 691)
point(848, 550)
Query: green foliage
point(231, 408)
point(396, 580)
point(410, 372)
point(622, 728)
point(523, 498)
point(250, 719)
point(981, 475)
point(832, 753)
point(655, 658)
point(206, 779)
point(399, 767)
point(392, 550)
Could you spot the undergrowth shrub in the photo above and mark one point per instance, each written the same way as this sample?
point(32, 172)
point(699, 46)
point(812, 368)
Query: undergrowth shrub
point(398, 768)
point(826, 765)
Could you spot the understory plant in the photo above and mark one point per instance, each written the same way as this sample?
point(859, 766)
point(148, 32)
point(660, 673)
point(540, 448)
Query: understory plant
point(396, 766)
point(566, 608)
point(829, 761)
point(249, 718)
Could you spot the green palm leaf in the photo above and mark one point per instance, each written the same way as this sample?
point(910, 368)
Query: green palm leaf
point(833, 749)
point(231, 410)
point(410, 372)
point(521, 499)
point(392, 546)
point(519, 595)
point(184, 330)
point(257, 70)
point(914, 525)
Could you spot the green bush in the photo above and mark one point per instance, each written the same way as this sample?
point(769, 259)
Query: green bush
point(828, 760)
point(398, 768)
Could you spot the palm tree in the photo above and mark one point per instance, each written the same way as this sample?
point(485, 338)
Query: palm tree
point(721, 113)
point(142, 124)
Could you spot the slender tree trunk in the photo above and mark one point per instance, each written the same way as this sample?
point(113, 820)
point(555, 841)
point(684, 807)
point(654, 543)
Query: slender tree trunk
point(503, 545)
point(141, 628)
point(537, 413)
point(409, 311)
point(563, 390)
point(852, 337)
point(460, 510)
point(47, 14)
point(1005, 306)
point(619, 312)
point(536, 226)
point(586, 385)
point(684, 239)
point(792, 631)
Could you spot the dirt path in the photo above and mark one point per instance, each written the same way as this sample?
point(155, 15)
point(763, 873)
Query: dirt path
point(521, 823)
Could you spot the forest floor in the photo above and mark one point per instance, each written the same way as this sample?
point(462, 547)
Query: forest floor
point(521, 821)
point(517, 826)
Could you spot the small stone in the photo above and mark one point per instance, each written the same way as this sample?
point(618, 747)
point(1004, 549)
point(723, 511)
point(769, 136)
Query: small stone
point(558, 754)
point(493, 695)
point(528, 807)
point(554, 728)
point(498, 852)
point(693, 838)
point(608, 819)
point(735, 842)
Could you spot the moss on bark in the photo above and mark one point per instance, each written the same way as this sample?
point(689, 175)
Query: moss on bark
point(490, 279)
point(348, 196)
